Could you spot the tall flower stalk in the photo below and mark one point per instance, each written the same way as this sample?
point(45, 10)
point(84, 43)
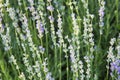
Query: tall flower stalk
point(60, 42)
point(50, 8)
point(88, 40)
point(101, 15)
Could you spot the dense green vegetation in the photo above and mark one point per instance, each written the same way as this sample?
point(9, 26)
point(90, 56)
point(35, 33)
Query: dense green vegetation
point(59, 40)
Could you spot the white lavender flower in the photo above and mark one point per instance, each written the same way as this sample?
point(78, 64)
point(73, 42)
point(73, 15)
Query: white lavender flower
point(13, 60)
point(22, 76)
point(88, 39)
point(110, 52)
point(60, 30)
point(40, 28)
point(19, 2)
point(101, 15)
point(1, 5)
point(81, 70)
point(114, 59)
point(49, 0)
point(74, 66)
point(51, 18)
point(50, 8)
point(6, 40)
point(31, 2)
point(41, 49)
point(37, 68)
point(25, 29)
point(6, 3)
point(75, 25)
point(48, 75)
point(110, 56)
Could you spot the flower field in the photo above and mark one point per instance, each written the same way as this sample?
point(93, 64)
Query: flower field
point(59, 39)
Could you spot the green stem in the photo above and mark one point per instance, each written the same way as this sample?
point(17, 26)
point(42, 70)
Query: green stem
point(67, 67)
point(60, 62)
point(117, 17)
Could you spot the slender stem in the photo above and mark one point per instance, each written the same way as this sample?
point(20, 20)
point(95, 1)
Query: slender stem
point(117, 17)
point(60, 62)
point(47, 43)
point(67, 66)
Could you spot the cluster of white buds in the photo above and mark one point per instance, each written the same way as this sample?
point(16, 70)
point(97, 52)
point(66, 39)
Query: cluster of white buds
point(75, 25)
point(88, 32)
point(88, 38)
point(110, 52)
point(81, 70)
point(50, 8)
point(65, 48)
point(88, 71)
point(13, 60)
point(88, 60)
point(32, 10)
point(60, 30)
point(6, 3)
point(6, 40)
point(48, 75)
point(36, 17)
point(40, 28)
point(28, 35)
point(41, 49)
point(12, 14)
point(110, 56)
point(29, 68)
point(19, 2)
point(101, 15)
point(37, 69)
point(22, 76)
point(75, 38)
point(25, 59)
point(74, 65)
point(114, 59)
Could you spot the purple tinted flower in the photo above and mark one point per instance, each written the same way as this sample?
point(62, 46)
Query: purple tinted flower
point(51, 19)
point(115, 66)
point(118, 70)
point(119, 77)
point(41, 28)
point(41, 49)
point(50, 8)
point(101, 12)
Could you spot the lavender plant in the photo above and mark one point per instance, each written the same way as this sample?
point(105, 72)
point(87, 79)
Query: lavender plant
point(59, 40)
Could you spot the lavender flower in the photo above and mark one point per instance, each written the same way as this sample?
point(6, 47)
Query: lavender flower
point(40, 28)
point(49, 0)
point(115, 66)
point(101, 14)
point(51, 18)
point(50, 8)
point(41, 49)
